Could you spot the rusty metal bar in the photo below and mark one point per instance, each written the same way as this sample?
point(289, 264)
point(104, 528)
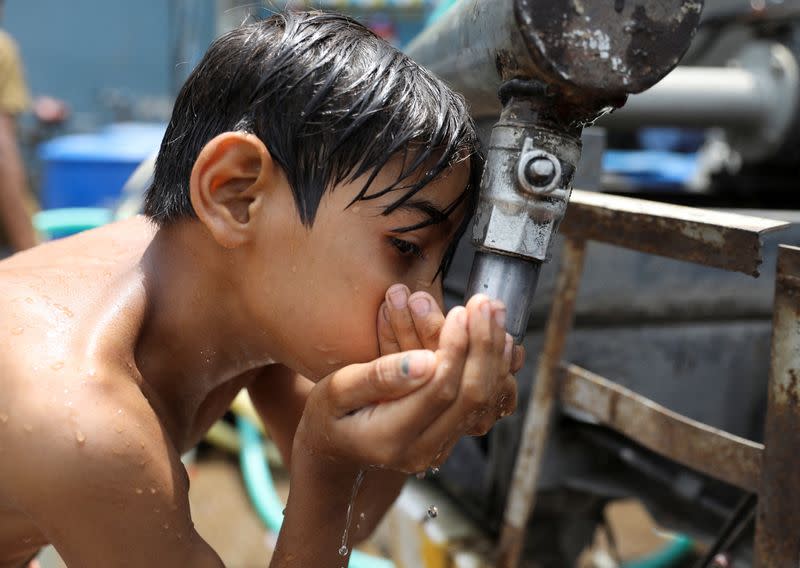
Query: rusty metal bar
point(777, 538)
point(723, 240)
point(536, 430)
point(711, 451)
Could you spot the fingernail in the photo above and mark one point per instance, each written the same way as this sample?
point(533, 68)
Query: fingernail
point(420, 305)
point(486, 309)
point(417, 363)
point(509, 346)
point(500, 317)
point(398, 296)
point(461, 316)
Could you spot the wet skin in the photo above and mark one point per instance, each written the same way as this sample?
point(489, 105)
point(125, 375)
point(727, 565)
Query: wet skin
point(119, 347)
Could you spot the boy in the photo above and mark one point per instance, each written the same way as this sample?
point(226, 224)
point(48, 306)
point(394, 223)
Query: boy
point(310, 177)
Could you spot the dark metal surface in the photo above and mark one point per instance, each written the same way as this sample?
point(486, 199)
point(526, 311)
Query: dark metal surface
point(585, 51)
point(778, 518)
point(538, 417)
point(716, 453)
point(723, 240)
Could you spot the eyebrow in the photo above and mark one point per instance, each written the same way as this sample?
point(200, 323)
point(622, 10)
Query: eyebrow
point(435, 216)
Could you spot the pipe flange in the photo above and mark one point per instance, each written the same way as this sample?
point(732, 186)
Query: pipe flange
point(538, 171)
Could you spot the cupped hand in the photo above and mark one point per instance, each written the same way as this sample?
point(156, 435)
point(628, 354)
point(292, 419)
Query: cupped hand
point(437, 379)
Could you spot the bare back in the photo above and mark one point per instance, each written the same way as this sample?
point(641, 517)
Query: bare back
point(78, 431)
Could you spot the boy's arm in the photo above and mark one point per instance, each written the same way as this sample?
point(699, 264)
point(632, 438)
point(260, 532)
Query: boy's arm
point(280, 398)
point(105, 498)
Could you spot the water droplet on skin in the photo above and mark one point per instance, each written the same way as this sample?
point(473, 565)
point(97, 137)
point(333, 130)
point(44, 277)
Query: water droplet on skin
point(152, 491)
point(343, 550)
point(28, 428)
point(362, 516)
point(139, 491)
point(92, 374)
point(17, 330)
point(118, 429)
point(3, 417)
point(166, 526)
point(80, 437)
point(57, 365)
point(64, 310)
point(433, 512)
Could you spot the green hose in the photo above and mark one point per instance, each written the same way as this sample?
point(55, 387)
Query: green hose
point(673, 553)
point(57, 223)
point(261, 489)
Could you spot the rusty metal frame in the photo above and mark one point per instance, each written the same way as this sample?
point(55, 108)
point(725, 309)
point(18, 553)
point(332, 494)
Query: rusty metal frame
point(777, 540)
point(536, 429)
point(712, 238)
point(714, 452)
point(722, 240)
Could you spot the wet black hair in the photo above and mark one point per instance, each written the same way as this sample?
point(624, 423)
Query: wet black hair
point(332, 102)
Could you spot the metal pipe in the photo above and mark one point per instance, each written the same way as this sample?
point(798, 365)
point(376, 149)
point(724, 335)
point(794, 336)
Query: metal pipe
point(523, 197)
point(756, 100)
point(696, 97)
point(588, 51)
point(509, 279)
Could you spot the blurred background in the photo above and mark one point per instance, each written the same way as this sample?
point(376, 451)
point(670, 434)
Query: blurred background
point(101, 77)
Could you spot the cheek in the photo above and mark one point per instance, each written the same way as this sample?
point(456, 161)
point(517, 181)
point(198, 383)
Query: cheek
point(341, 319)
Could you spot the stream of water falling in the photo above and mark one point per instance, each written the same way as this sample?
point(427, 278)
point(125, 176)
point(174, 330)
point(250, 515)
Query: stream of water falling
point(343, 550)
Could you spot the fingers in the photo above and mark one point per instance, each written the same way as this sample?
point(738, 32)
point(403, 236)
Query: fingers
point(402, 323)
point(484, 378)
point(428, 319)
point(387, 340)
point(415, 319)
point(387, 378)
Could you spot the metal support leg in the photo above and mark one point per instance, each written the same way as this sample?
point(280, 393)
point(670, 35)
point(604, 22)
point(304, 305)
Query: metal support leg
point(536, 430)
point(777, 537)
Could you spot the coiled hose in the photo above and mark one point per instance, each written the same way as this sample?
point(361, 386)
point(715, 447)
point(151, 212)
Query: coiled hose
point(261, 489)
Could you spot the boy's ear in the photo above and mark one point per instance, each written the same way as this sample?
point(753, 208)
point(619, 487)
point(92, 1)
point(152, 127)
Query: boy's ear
point(229, 178)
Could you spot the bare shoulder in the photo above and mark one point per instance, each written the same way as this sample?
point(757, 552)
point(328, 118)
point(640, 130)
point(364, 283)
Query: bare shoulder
point(65, 428)
point(94, 469)
point(84, 455)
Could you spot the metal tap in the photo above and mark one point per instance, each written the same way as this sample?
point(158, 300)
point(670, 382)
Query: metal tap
point(552, 66)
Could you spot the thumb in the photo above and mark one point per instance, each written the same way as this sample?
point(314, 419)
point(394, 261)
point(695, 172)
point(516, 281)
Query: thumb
point(387, 378)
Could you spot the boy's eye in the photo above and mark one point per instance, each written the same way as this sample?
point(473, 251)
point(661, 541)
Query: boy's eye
point(406, 248)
